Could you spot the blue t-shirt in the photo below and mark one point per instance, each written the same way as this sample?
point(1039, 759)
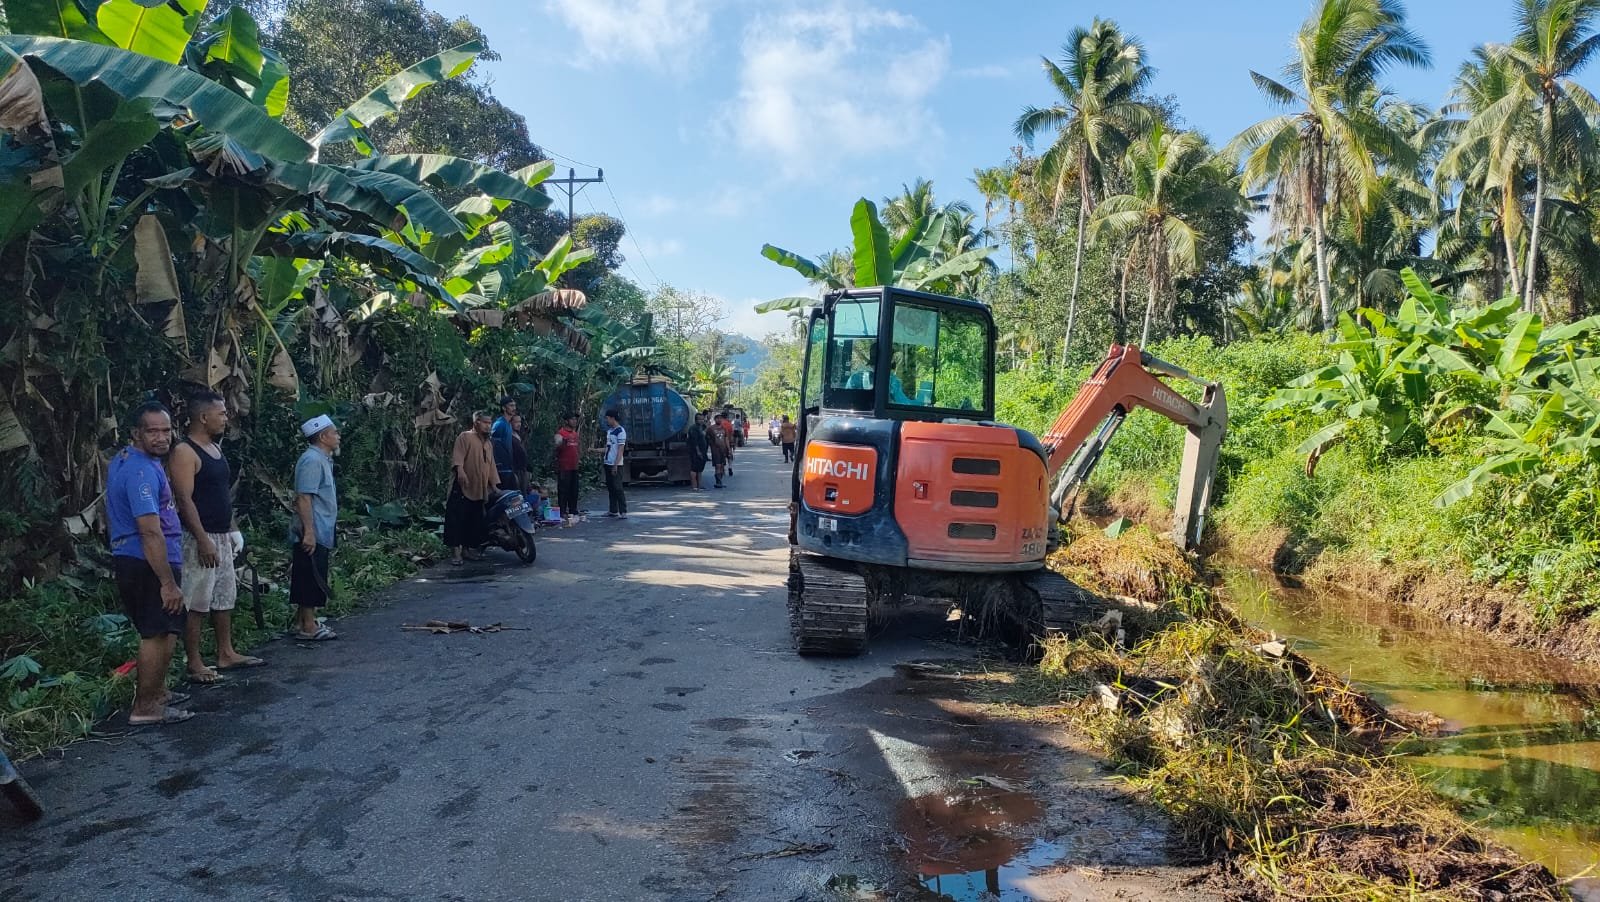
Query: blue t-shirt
point(500, 435)
point(313, 475)
point(137, 486)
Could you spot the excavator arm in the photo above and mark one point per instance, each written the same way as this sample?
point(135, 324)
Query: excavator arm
point(1126, 379)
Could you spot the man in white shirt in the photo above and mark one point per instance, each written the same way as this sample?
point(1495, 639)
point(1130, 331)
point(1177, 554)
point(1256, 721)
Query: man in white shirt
point(616, 447)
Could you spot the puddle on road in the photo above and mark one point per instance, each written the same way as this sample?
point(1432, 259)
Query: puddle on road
point(972, 844)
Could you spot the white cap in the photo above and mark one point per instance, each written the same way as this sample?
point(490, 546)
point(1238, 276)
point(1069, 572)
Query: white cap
point(316, 424)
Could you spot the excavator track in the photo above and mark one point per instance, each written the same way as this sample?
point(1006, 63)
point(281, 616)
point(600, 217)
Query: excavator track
point(827, 606)
point(1064, 605)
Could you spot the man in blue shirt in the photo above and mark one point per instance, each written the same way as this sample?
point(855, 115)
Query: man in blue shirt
point(147, 558)
point(316, 503)
point(500, 435)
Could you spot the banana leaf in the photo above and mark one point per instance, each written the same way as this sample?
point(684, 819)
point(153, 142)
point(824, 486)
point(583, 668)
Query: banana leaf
point(388, 98)
point(133, 76)
point(54, 19)
point(31, 175)
point(154, 28)
point(873, 263)
point(421, 206)
point(443, 171)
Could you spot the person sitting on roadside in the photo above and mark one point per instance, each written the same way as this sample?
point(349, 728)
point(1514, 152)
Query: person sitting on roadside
point(147, 558)
point(202, 483)
point(721, 447)
point(473, 477)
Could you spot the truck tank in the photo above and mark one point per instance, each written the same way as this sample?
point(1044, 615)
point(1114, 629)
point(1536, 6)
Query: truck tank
point(657, 419)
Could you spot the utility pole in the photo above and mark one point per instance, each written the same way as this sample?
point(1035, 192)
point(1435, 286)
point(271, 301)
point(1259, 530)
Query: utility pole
point(572, 185)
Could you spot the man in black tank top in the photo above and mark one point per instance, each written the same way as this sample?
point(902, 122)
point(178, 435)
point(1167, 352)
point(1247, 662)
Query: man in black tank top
point(202, 484)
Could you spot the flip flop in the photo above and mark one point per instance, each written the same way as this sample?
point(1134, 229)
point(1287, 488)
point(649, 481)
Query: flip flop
point(323, 634)
point(209, 675)
point(176, 698)
point(168, 715)
point(246, 661)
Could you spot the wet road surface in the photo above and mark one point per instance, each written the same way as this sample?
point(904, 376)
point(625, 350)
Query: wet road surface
point(650, 736)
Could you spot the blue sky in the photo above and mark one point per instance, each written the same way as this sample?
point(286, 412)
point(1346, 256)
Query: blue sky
point(724, 124)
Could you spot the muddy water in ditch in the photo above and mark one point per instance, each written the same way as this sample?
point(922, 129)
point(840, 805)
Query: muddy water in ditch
point(1520, 747)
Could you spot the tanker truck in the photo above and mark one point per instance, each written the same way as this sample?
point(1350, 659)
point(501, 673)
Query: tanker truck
point(657, 419)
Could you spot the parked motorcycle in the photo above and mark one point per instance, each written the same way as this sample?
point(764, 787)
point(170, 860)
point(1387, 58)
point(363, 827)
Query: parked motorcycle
point(508, 524)
point(16, 790)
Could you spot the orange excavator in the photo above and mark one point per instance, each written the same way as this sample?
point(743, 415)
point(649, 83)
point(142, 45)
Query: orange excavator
point(905, 487)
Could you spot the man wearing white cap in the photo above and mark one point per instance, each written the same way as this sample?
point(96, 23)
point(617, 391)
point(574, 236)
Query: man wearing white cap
point(316, 505)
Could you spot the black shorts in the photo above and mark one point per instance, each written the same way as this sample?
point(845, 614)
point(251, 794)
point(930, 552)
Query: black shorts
point(308, 577)
point(141, 598)
point(697, 464)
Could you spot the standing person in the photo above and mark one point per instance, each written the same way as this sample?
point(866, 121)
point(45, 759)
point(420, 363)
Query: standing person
point(519, 455)
point(615, 460)
point(567, 467)
point(725, 423)
point(717, 436)
point(316, 502)
point(699, 451)
point(502, 434)
point(787, 433)
point(474, 476)
point(147, 557)
point(202, 483)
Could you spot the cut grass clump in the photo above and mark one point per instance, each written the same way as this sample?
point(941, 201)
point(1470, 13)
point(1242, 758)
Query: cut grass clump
point(1263, 761)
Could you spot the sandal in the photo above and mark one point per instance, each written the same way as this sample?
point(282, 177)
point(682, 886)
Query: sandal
point(175, 698)
point(323, 634)
point(205, 675)
point(246, 661)
point(168, 715)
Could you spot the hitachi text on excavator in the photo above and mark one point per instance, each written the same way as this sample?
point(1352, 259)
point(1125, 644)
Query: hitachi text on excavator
point(906, 487)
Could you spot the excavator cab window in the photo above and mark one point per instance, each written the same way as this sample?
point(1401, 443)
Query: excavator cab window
point(902, 354)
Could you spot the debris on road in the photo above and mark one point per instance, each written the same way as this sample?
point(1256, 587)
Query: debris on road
point(994, 782)
point(919, 670)
point(791, 850)
point(444, 627)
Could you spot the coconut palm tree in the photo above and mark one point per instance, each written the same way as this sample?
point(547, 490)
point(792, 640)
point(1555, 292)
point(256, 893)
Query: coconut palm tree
point(915, 203)
point(1555, 39)
point(1173, 177)
point(1100, 80)
point(1329, 152)
point(1486, 158)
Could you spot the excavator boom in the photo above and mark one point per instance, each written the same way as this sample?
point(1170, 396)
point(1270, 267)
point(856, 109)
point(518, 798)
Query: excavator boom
point(1126, 379)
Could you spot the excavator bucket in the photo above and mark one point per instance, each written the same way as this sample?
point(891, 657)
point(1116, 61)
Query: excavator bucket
point(1195, 481)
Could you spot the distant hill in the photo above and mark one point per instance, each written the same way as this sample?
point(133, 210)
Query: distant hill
point(745, 365)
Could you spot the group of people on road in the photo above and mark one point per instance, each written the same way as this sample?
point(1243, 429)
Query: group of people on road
point(492, 457)
point(712, 439)
point(175, 541)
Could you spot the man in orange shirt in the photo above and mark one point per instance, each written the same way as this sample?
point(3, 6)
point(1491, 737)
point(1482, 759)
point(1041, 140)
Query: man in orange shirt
point(475, 476)
point(725, 423)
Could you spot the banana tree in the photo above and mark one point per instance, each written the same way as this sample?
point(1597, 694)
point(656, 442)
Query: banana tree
point(1521, 440)
point(919, 260)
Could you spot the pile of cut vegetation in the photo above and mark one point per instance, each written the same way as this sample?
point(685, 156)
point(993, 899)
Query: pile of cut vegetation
point(1265, 762)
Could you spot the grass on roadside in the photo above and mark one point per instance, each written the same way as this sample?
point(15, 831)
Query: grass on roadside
point(61, 641)
point(1263, 761)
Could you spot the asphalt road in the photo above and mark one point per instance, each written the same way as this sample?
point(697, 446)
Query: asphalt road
point(647, 734)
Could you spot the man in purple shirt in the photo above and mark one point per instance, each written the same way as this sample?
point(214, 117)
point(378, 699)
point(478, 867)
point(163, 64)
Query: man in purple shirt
point(145, 549)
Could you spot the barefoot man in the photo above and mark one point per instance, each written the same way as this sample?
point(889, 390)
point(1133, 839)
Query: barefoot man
point(147, 558)
point(202, 484)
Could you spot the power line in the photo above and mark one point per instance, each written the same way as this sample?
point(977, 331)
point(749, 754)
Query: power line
point(629, 229)
point(632, 273)
point(567, 158)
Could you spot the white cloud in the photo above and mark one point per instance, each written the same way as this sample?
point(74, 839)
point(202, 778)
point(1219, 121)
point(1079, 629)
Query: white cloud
point(666, 247)
point(724, 202)
point(819, 86)
point(659, 34)
point(658, 205)
point(992, 70)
